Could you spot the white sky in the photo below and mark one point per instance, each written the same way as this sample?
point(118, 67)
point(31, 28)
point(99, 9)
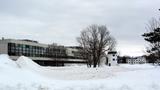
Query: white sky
point(61, 21)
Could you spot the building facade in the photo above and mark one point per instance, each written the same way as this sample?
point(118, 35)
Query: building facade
point(56, 51)
point(43, 54)
point(136, 60)
point(112, 58)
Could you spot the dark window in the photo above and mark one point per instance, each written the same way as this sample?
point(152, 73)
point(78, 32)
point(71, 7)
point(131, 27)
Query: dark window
point(11, 49)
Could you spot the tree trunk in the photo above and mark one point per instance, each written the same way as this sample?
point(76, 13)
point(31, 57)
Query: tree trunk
point(94, 63)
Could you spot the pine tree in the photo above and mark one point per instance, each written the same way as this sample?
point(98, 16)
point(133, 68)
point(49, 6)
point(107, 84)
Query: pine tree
point(153, 37)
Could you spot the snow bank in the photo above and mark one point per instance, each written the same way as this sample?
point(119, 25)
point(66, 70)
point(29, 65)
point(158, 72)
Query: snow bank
point(6, 62)
point(11, 72)
point(27, 63)
point(22, 62)
point(21, 75)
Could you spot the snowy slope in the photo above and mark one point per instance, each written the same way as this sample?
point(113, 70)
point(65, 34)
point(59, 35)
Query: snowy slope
point(27, 63)
point(24, 74)
point(6, 62)
point(11, 73)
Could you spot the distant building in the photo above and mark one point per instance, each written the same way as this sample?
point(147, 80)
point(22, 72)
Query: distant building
point(111, 58)
point(136, 60)
point(43, 54)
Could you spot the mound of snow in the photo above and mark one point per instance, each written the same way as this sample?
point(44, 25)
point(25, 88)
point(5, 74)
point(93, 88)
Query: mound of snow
point(11, 72)
point(142, 77)
point(27, 63)
point(6, 62)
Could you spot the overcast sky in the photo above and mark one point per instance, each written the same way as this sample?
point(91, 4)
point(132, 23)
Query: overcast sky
point(61, 21)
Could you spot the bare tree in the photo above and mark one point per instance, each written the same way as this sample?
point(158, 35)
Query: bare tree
point(95, 40)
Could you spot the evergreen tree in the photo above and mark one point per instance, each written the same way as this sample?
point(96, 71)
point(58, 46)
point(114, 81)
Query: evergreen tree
point(153, 37)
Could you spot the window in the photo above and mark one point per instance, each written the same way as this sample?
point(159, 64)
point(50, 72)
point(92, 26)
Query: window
point(113, 59)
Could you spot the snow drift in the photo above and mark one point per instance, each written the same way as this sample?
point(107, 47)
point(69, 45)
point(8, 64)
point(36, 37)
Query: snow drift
point(6, 62)
point(27, 63)
point(24, 74)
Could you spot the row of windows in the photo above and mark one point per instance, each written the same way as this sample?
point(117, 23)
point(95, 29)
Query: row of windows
point(27, 50)
point(35, 51)
point(136, 60)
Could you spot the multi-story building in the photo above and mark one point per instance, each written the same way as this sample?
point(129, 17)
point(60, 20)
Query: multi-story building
point(136, 60)
point(22, 47)
point(43, 54)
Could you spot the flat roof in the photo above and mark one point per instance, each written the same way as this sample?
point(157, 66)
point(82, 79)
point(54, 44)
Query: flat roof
point(27, 42)
point(112, 52)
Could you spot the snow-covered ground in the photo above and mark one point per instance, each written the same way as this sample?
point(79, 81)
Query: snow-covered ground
point(24, 74)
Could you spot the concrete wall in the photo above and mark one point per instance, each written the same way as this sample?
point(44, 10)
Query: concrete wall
point(112, 59)
point(3, 47)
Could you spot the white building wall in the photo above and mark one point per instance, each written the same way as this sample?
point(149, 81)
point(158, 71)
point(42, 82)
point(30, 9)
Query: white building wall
point(112, 59)
point(138, 60)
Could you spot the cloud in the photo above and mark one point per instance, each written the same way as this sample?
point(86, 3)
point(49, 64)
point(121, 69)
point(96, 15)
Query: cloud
point(62, 20)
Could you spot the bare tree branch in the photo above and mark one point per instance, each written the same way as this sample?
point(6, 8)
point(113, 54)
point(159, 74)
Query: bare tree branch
point(96, 40)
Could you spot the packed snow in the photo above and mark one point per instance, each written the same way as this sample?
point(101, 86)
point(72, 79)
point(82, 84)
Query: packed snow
point(27, 63)
point(24, 74)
